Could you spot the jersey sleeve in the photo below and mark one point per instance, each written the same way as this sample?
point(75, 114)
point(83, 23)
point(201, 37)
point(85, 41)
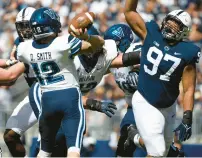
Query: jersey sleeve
point(75, 45)
point(152, 27)
point(196, 55)
point(111, 51)
point(17, 41)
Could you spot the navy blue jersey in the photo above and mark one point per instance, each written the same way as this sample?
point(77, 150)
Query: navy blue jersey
point(162, 67)
point(28, 74)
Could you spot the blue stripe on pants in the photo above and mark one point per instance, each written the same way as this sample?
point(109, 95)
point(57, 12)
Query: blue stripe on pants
point(34, 98)
point(82, 125)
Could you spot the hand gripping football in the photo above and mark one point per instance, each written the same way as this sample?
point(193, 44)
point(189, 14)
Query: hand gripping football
point(82, 20)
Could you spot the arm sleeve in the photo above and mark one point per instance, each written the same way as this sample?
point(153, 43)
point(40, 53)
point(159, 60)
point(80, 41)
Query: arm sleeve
point(132, 58)
point(75, 45)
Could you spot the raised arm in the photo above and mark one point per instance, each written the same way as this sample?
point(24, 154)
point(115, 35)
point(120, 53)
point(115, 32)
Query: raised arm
point(90, 43)
point(134, 19)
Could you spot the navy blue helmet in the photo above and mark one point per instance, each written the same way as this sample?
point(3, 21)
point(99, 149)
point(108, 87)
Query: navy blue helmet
point(121, 34)
point(44, 22)
point(92, 31)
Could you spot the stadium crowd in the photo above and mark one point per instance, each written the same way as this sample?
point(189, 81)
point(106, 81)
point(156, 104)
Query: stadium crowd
point(108, 12)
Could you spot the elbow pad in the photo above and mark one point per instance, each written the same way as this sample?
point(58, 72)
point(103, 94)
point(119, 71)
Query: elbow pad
point(131, 58)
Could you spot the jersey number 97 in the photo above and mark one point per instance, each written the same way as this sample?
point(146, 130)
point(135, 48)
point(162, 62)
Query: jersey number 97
point(156, 62)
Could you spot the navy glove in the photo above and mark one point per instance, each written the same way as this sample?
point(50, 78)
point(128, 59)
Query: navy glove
point(185, 127)
point(106, 107)
point(132, 80)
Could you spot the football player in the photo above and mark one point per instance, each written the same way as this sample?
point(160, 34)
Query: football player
point(122, 34)
point(166, 59)
point(91, 68)
point(23, 116)
point(50, 58)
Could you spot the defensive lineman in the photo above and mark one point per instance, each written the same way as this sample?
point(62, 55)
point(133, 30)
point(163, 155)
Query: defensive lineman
point(165, 59)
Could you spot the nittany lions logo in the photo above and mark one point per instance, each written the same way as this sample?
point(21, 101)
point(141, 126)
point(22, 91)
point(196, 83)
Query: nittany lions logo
point(118, 32)
point(51, 13)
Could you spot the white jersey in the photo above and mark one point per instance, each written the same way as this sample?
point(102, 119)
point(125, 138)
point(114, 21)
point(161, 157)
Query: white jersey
point(28, 74)
point(89, 80)
point(121, 74)
point(51, 63)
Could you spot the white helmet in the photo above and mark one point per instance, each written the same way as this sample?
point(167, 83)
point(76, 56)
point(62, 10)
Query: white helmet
point(22, 23)
point(183, 19)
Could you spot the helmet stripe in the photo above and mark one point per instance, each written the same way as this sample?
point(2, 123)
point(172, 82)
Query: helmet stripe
point(180, 12)
point(23, 13)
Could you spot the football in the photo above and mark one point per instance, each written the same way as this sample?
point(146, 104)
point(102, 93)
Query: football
point(82, 20)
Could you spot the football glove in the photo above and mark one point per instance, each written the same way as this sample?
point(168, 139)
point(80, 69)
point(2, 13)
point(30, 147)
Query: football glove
point(184, 128)
point(132, 80)
point(106, 107)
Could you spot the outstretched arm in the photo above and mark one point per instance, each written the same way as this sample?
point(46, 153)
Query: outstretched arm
point(134, 19)
point(12, 73)
point(126, 59)
point(106, 107)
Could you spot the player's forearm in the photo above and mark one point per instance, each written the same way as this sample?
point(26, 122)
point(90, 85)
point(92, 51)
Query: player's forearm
point(92, 44)
point(84, 99)
point(96, 42)
point(3, 63)
point(133, 19)
point(12, 73)
point(188, 100)
point(126, 59)
point(189, 82)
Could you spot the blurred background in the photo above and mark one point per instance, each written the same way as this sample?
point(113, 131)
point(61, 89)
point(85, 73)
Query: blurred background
point(109, 12)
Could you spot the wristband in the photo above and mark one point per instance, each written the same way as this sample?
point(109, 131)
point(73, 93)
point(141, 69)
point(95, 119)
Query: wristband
point(187, 117)
point(131, 58)
point(93, 104)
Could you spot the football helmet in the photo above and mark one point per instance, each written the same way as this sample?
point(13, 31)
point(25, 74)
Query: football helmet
point(45, 22)
point(121, 34)
point(22, 23)
point(174, 32)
